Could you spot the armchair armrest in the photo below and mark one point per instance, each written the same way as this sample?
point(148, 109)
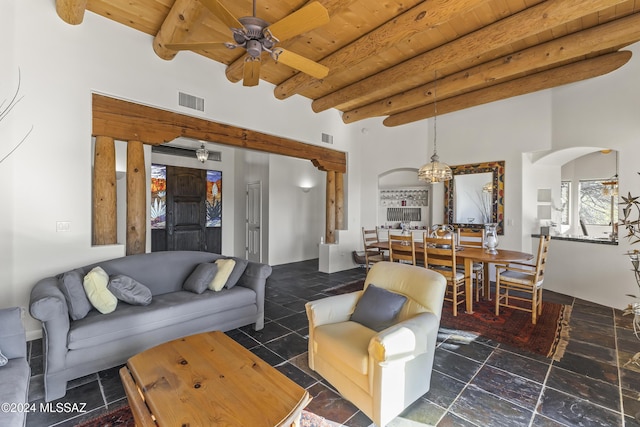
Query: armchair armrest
point(405, 339)
point(333, 309)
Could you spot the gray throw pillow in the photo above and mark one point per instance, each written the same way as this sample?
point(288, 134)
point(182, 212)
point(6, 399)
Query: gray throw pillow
point(3, 359)
point(129, 290)
point(378, 308)
point(199, 280)
point(238, 269)
point(71, 285)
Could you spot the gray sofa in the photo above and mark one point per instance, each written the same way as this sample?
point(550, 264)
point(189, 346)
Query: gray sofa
point(74, 348)
point(14, 376)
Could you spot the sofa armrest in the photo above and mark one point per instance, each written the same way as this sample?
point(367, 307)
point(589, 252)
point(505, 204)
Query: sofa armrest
point(405, 339)
point(333, 309)
point(13, 341)
point(255, 278)
point(48, 305)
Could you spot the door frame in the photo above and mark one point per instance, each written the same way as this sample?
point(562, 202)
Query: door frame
point(247, 210)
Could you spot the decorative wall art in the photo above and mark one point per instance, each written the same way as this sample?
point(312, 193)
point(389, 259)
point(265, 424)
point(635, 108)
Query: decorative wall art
point(158, 196)
point(214, 198)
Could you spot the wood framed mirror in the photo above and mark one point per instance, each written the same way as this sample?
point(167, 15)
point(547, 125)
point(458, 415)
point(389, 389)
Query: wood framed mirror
point(475, 195)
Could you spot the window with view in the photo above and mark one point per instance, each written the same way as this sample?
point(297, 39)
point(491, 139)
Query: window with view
point(596, 204)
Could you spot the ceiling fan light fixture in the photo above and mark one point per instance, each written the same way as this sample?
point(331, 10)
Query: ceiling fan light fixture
point(202, 153)
point(435, 171)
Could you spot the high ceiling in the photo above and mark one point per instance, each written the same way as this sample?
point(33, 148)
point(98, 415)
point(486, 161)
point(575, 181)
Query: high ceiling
point(388, 58)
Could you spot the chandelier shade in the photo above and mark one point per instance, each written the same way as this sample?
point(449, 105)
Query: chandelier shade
point(435, 171)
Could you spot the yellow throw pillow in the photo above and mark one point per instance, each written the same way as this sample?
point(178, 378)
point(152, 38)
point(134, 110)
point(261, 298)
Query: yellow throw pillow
point(225, 267)
point(95, 285)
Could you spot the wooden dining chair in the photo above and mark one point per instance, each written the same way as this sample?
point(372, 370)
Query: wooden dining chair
point(475, 239)
point(402, 248)
point(440, 255)
point(519, 285)
point(371, 254)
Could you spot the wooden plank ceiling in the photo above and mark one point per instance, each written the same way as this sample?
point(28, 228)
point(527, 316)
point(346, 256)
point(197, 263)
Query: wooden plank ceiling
point(387, 58)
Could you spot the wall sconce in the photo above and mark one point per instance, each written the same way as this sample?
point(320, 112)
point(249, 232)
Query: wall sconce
point(305, 189)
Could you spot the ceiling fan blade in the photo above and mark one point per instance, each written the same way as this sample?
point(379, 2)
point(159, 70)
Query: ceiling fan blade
point(222, 13)
point(251, 71)
point(300, 63)
point(195, 46)
point(304, 19)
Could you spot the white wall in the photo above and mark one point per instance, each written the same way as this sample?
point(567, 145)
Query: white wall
point(294, 212)
point(10, 136)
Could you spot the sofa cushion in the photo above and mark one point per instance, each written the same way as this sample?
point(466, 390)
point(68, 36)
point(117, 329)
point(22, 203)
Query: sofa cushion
point(129, 290)
point(377, 308)
point(238, 269)
point(95, 285)
point(165, 310)
point(70, 284)
point(202, 275)
point(225, 268)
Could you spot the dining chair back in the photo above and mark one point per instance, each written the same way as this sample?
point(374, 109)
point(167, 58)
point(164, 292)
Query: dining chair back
point(440, 255)
point(402, 248)
point(519, 285)
point(475, 239)
point(371, 253)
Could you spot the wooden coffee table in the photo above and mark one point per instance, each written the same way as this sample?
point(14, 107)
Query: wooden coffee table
point(209, 379)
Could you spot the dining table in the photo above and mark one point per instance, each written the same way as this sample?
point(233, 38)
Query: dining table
point(470, 255)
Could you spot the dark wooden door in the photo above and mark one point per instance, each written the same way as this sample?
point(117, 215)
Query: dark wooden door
point(186, 215)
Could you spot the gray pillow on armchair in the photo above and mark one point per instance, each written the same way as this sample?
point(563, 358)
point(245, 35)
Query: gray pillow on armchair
point(378, 308)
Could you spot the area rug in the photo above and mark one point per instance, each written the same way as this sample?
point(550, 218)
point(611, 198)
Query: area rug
point(548, 337)
point(122, 417)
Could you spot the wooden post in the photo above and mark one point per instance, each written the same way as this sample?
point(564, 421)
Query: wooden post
point(331, 208)
point(136, 199)
point(339, 201)
point(105, 226)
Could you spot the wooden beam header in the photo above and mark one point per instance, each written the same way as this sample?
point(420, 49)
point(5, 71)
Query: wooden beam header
point(128, 121)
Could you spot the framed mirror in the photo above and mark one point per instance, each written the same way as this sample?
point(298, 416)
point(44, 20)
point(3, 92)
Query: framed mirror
point(475, 195)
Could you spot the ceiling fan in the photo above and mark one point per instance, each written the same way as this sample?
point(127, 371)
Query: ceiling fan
point(257, 36)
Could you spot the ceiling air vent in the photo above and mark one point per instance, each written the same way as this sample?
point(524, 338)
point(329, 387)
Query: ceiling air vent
point(190, 101)
point(327, 139)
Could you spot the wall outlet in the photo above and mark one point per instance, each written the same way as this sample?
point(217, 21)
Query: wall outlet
point(63, 226)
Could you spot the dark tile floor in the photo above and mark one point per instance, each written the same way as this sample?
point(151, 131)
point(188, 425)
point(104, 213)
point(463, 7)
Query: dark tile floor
point(480, 384)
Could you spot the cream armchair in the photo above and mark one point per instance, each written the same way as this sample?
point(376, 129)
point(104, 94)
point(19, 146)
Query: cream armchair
point(380, 372)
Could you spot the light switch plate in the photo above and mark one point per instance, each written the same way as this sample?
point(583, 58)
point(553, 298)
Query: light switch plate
point(63, 226)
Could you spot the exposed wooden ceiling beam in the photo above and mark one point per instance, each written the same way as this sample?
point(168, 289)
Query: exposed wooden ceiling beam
point(128, 121)
point(175, 27)
point(596, 39)
point(528, 23)
point(235, 69)
point(423, 17)
point(571, 73)
point(71, 11)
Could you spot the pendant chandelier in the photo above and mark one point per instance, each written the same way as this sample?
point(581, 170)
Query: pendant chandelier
point(435, 171)
point(202, 153)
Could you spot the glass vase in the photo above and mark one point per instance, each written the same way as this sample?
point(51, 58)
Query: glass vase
point(491, 238)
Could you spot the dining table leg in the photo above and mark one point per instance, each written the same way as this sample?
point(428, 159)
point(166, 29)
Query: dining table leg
point(468, 284)
point(486, 282)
